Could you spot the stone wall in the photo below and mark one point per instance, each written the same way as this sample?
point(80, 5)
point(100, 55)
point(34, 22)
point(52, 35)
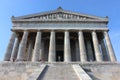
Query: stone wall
point(22, 70)
point(17, 71)
point(109, 71)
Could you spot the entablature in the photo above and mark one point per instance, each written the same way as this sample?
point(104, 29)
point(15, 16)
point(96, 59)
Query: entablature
point(60, 25)
point(59, 30)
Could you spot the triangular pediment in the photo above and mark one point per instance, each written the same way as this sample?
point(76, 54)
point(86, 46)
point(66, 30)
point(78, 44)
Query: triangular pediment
point(60, 14)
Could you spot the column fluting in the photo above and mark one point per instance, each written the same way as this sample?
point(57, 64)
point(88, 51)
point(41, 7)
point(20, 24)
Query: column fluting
point(67, 49)
point(15, 50)
point(104, 52)
point(90, 50)
point(22, 47)
point(10, 47)
point(109, 47)
point(82, 47)
point(37, 47)
point(98, 55)
point(77, 51)
point(52, 48)
point(42, 51)
point(30, 50)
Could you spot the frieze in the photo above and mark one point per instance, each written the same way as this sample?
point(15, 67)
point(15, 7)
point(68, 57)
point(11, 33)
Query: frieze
point(60, 15)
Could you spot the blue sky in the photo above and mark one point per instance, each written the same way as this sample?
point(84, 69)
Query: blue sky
point(102, 8)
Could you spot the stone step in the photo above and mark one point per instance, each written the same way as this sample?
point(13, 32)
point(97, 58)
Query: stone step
point(59, 72)
point(81, 73)
point(37, 72)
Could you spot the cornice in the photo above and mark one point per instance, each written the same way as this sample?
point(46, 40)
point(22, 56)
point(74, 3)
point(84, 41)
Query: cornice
point(58, 20)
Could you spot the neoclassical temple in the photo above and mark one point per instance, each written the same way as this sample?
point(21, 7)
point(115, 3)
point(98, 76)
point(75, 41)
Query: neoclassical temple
point(60, 36)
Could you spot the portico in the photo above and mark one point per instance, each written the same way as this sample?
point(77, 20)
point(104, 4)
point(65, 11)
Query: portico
point(56, 45)
point(60, 36)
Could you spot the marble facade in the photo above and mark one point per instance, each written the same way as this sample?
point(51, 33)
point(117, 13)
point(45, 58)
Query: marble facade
point(60, 36)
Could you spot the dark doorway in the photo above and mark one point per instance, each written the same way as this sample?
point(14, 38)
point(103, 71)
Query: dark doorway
point(59, 56)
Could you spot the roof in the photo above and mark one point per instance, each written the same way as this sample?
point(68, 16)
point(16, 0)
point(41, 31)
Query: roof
point(60, 15)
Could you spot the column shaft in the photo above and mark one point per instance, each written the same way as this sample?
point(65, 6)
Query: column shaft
point(22, 48)
point(104, 52)
point(109, 47)
point(30, 50)
point(42, 51)
point(67, 51)
point(52, 48)
point(10, 47)
point(77, 50)
point(96, 47)
point(15, 50)
point(90, 51)
point(82, 47)
point(37, 47)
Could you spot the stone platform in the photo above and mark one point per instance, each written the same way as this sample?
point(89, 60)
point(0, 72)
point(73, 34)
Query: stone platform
point(59, 71)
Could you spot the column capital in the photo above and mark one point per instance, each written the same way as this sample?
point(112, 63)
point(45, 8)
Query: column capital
point(66, 31)
point(80, 30)
point(93, 30)
point(105, 32)
point(39, 30)
point(26, 30)
point(52, 31)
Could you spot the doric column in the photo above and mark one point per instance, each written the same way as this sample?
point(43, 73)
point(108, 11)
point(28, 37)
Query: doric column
point(37, 47)
point(22, 47)
point(67, 51)
point(96, 47)
point(42, 51)
point(109, 47)
point(52, 48)
point(77, 50)
point(82, 47)
point(104, 52)
point(30, 50)
point(15, 50)
point(10, 47)
point(90, 51)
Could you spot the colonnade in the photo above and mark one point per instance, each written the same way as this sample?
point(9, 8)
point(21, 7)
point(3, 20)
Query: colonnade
point(16, 49)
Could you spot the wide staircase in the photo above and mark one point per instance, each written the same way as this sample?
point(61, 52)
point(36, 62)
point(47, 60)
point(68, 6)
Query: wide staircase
point(58, 72)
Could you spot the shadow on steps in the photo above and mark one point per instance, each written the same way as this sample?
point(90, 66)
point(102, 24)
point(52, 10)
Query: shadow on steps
point(43, 73)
